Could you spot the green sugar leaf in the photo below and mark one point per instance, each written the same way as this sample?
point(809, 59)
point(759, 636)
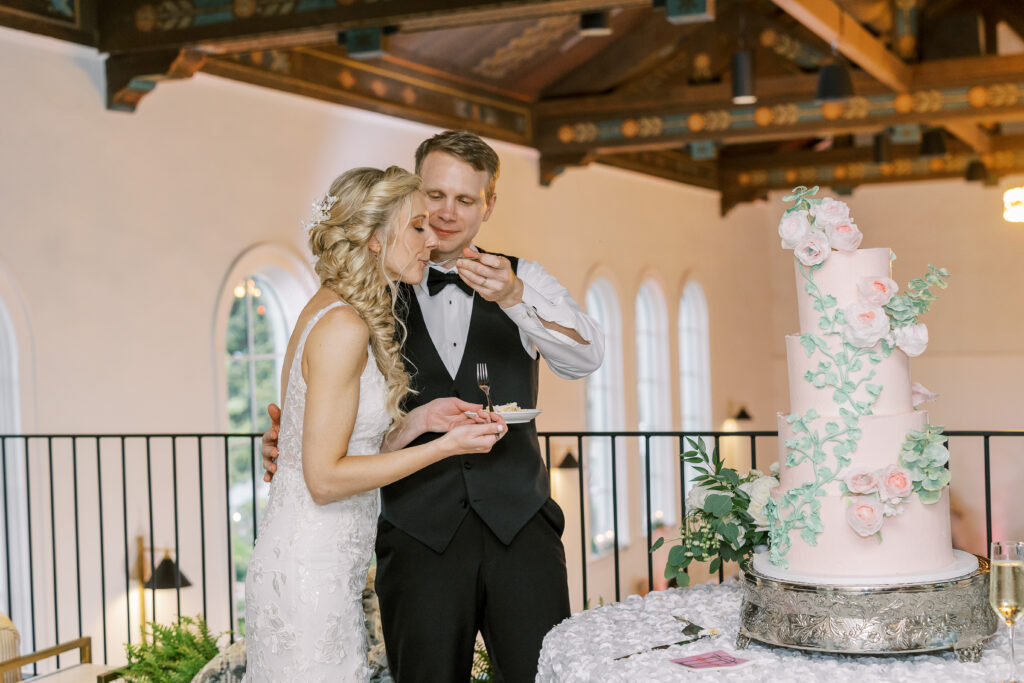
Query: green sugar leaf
point(824, 323)
point(929, 497)
point(831, 428)
point(807, 341)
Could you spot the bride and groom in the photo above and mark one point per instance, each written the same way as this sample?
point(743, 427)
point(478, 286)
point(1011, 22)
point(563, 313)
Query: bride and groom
point(380, 366)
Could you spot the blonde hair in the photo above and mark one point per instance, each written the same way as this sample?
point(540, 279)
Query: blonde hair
point(368, 202)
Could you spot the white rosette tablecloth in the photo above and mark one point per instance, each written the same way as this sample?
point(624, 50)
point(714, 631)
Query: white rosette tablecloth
point(584, 647)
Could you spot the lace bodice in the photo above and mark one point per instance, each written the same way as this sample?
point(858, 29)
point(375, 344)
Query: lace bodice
point(371, 423)
point(304, 617)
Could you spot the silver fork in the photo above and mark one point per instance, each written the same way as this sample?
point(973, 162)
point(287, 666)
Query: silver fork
point(441, 264)
point(483, 382)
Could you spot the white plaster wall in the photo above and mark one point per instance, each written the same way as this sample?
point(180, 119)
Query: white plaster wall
point(118, 232)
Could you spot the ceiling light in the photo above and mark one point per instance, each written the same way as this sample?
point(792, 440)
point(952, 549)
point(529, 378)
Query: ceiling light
point(743, 78)
point(595, 24)
point(1013, 205)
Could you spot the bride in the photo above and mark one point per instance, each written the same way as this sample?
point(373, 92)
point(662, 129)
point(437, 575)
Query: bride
point(343, 382)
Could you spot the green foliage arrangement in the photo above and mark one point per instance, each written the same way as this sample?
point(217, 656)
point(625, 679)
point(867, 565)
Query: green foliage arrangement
point(483, 670)
point(905, 308)
point(175, 654)
point(725, 519)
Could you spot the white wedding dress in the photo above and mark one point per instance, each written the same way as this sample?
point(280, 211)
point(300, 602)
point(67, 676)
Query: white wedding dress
point(303, 591)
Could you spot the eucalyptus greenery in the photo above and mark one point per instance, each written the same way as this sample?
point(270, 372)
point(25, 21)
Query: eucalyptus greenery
point(721, 529)
point(925, 457)
point(175, 655)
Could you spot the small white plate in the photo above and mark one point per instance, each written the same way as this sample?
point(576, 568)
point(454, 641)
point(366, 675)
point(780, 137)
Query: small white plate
point(516, 417)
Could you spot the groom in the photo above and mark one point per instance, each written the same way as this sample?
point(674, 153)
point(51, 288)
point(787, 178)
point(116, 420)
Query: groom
point(473, 542)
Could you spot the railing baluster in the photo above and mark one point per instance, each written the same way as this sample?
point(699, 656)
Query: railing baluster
point(103, 564)
point(547, 454)
point(177, 546)
point(7, 527)
point(615, 519)
point(647, 484)
point(152, 537)
point(31, 569)
point(252, 471)
point(721, 565)
point(583, 518)
point(202, 523)
point(988, 494)
point(227, 516)
point(127, 554)
point(78, 561)
point(53, 545)
point(753, 452)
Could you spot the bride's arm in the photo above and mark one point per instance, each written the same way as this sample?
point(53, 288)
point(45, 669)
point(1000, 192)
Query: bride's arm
point(333, 361)
point(439, 415)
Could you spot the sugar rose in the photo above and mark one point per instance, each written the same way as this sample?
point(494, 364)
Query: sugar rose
point(861, 480)
point(813, 249)
point(865, 325)
point(912, 339)
point(830, 212)
point(865, 515)
point(844, 236)
point(895, 483)
point(793, 227)
point(877, 290)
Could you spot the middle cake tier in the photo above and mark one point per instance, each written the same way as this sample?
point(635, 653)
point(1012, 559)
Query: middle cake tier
point(892, 373)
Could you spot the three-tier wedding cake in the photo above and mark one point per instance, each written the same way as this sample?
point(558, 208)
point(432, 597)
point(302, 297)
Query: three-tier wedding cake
point(863, 493)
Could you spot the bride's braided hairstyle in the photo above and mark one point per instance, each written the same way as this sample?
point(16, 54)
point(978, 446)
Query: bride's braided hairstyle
point(367, 201)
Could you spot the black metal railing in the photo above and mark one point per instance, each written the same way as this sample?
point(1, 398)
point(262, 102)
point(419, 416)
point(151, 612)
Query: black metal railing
point(69, 502)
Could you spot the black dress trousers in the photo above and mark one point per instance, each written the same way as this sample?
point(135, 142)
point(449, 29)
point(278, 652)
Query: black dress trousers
point(433, 603)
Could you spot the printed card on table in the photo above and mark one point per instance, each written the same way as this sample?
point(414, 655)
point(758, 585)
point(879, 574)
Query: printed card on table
point(710, 661)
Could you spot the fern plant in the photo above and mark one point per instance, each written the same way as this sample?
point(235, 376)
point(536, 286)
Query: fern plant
point(483, 670)
point(175, 655)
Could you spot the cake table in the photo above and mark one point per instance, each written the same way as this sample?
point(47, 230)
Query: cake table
point(585, 646)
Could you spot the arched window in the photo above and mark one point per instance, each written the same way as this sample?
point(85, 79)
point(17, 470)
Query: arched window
point(255, 343)
point(654, 402)
point(605, 412)
point(694, 363)
point(13, 473)
point(260, 300)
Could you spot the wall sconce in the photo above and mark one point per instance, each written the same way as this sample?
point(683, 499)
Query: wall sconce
point(1013, 205)
point(742, 415)
point(569, 462)
point(166, 576)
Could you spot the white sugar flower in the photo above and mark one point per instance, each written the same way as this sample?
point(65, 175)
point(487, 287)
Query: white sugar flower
point(877, 290)
point(813, 249)
point(830, 212)
point(912, 339)
point(865, 325)
point(793, 227)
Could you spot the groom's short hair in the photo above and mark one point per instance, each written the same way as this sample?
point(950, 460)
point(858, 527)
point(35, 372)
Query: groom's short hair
point(468, 147)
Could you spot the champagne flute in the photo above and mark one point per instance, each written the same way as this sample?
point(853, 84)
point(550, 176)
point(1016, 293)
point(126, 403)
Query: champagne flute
point(1006, 589)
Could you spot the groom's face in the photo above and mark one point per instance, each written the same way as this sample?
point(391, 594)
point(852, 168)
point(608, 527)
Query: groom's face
point(457, 201)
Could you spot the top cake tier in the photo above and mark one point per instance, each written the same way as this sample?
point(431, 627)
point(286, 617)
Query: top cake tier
point(839, 276)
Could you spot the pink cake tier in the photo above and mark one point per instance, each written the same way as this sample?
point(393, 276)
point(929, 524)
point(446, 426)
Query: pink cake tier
point(914, 545)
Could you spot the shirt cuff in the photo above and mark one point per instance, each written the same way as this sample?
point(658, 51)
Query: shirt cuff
point(542, 307)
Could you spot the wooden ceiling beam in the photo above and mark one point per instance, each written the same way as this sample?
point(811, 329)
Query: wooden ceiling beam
point(970, 133)
point(837, 27)
point(239, 25)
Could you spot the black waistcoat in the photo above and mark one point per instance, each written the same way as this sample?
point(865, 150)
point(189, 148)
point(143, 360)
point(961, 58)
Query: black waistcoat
point(505, 487)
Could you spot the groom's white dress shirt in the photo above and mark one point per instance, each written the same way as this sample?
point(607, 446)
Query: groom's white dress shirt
point(447, 315)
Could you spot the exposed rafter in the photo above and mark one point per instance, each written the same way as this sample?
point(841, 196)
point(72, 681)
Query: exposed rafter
point(836, 27)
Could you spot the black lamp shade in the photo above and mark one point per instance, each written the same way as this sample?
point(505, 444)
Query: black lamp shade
point(743, 78)
point(595, 24)
point(742, 414)
point(167, 576)
point(834, 83)
point(976, 170)
point(933, 143)
point(569, 462)
point(882, 148)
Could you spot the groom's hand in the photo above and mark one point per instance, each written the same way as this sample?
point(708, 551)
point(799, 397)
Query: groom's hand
point(270, 442)
point(491, 277)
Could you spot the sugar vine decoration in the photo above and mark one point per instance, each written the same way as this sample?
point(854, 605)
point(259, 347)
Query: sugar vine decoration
point(813, 227)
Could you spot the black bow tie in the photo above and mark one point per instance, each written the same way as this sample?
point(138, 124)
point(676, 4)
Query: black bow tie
point(436, 281)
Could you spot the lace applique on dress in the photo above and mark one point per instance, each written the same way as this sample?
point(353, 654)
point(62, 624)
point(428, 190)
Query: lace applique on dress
point(303, 590)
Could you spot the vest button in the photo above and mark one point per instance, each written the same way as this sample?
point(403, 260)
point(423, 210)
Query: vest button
point(468, 465)
point(462, 503)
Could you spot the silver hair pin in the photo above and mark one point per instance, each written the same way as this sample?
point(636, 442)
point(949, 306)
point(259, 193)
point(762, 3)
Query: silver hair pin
point(321, 211)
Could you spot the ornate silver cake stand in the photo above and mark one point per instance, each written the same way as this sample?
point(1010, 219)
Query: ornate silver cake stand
point(869, 620)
